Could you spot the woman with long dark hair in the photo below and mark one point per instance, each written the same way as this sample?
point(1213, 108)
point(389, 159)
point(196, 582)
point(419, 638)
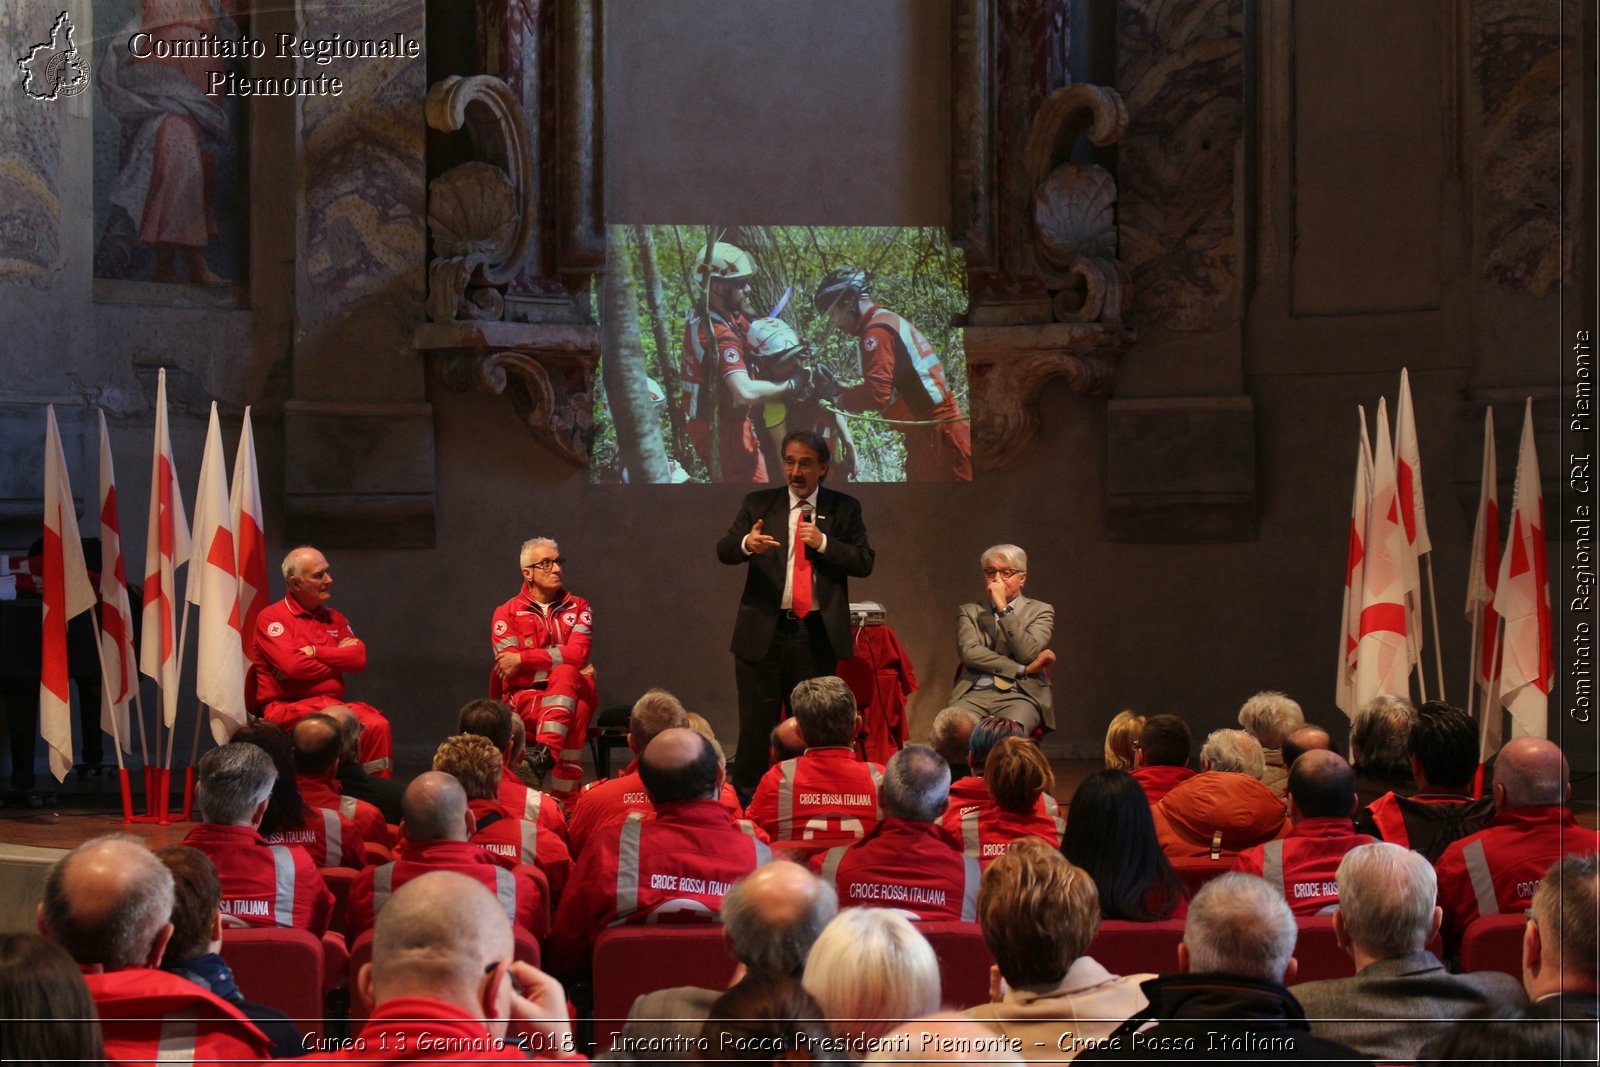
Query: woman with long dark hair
point(1111, 835)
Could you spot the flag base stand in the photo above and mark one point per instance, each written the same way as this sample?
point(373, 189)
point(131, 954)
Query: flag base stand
point(188, 792)
point(149, 813)
point(164, 796)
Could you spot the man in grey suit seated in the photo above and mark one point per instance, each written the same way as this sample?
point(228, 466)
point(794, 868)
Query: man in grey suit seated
point(1401, 994)
point(1004, 642)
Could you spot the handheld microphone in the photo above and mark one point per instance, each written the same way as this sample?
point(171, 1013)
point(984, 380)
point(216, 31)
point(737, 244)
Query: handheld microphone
point(805, 512)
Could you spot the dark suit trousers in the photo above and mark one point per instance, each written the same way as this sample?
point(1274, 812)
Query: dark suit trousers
point(799, 650)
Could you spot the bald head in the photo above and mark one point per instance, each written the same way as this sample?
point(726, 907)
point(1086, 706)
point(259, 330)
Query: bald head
point(1530, 772)
point(349, 728)
point(435, 937)
point(317, 740)
point(772, 916)
point(679, 764)
point(109, 901)
point(787, 741)
point(434, 808)
point(1322, 785)
point(1306, 739)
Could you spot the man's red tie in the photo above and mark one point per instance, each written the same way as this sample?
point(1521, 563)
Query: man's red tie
point(800, 583)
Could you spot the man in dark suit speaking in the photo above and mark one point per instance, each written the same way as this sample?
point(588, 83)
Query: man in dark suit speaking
point(794, 617)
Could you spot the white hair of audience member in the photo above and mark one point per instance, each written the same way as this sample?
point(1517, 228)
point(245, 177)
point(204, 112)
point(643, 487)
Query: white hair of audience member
point(1241, 925)
point(1005, 555)
point(870, 971)
point(524, 557)
point(1380, 735)
point(916, 785)
point(234, 780)
point(1387, 897)
point(948, 1037)
point(1271, 716)
point(946, 724)
point(1233, 750)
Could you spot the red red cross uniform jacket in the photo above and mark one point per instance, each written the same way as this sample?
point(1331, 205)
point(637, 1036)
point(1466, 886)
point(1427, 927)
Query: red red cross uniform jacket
point(330, 839)
point(739, 450)
point(532, 804)
point(286, 685)
point(674, 867)
point(605, 804)
point(1425, 823)
point(825, 796)
point(322, 791)
point(417, 1029)
point(149, 1016)
point(1157, 782)
point(262, 884)
point(1303, 863)
point(912, 867)
point(522, 841)
point(1494, 871)
point(986, 830)
point(517, 892)
point(904, 379)
point(549, 689)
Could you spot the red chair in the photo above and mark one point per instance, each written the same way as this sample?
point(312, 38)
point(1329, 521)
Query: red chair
point(335, 960)
point(527, 950)
point(630, 961)
point(279, 967)
point(1196, 871)
point(964, 962)
point(1320, 956)
point(1126, 947)
point(1494, 943)
point(339, 880)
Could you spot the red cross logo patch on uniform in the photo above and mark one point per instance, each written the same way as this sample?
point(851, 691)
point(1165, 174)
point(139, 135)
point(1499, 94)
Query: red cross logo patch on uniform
point(870, 343)
point(569, 618)
point(730, 355)
point(499, 627)
point(275, 629)
point(586, 618)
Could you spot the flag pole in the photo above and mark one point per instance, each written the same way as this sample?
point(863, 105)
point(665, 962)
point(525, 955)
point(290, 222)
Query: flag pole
point(1433, 605)
point(1422, 680)
point(1491, 702)
point(116, 735)
point(1473, 657)
point(201, 712)
point(172, 731)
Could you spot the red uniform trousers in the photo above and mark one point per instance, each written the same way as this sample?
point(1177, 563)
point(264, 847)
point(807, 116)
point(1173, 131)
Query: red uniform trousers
point(548, 689)
point(558, 716)
point(1494, 871)
point(675, 867)
point(262, 884)
point(825, 796)
point(986, 830)
point(417, 1029)
point(607, 803)
point(375, 747)
point(522, 841)
point(322, 791)
point(148, 1016)
point(330, 839)
point(1303, 864)
point(912, 867)
point(518, 893)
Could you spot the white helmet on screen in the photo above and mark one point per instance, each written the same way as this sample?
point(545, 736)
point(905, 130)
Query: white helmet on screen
point(726, 262)
point(770, 339)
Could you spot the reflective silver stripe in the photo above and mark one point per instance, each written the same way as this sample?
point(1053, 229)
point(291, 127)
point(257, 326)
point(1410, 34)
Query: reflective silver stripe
point(540, 676)
point(748, 828)
point(877, 788)
point(571, 755)
point(969, 893)
point(555, 657)
point(347, 807)
point(530, 806)
point(530, 841)
point(786, 800)
point(554, 726)
point(505, 889)
point(558, 702)
point(176, 1044)
point(830, 864)
point(1482, 880)
point(563, 785)
point(283, 904)
point(922, 364)
point(971, 843)
point(1272, 863)
point(1051, 808)
point(581, 629)
point(373, 766)
point(628, 865)
point(504, 643)
point(382, 886)
point(333, 833)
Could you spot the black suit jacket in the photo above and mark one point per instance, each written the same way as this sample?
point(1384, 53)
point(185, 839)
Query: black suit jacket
point(847, 556)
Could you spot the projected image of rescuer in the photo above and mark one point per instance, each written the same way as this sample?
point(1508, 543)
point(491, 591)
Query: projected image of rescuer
point(776, 354)
point(903, 379)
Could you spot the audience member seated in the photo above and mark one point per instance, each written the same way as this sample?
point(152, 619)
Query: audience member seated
point(1228, 1000)
point(445, 984)
point(438, 826)
point(329, 838)
point(1112, 837)
point(1303, 740)
point(908, 862)
point(828, 795)
point(194, 952)
point(785, 742)
point(951, 737)
point(870, 971)
point(1039, 913)
point(1224, 809)
point(607, 803)
point(108, 902)
point(971, 792)
point(49, 1015)
point(476, 764)
point(1161, 758)
point(1443, 743)
point(505, 729)
point(946, 1038)
point(1122, 740)
point(676, 865)
point(1400, 990)
point(1269, 717)
point(1018, 802)
point(768, 1018)
point(1380, 747)
point(1559, 946)
point(382, 793)
point(1322, 797)
point(1537, 1033)
point(262, 884)
point(770, 919)
point(1495, 870)
point(316, 764)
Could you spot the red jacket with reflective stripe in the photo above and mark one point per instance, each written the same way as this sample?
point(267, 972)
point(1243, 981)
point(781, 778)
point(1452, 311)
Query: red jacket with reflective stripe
point(522, 841)
point(543, 639)
point(418, 1029)
point(825, 795)
point(280, 671)
point(262, 884)
point(518, 893)
point(1426, 823)
point(330, 839)
point(148, 1015)
point(684, 860)
point(986, 830)
point(912, 867)
point(607, 803)
point(532, 804)
point(322, 791)
point(1305, 862)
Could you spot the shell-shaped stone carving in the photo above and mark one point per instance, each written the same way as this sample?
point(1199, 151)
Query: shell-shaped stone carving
point(472, 209)
point(1074, 213)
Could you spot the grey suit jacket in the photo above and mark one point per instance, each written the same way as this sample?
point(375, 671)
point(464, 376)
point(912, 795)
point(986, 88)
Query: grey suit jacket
point(657, 1018)
point(1391, 1009)
point(989, 644)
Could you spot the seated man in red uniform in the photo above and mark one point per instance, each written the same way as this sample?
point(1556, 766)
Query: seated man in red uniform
point(354, 781)
point(474, 762)
point(303, 650)
point(828, 796)
point(262, 884)
point(1161, 760)
point(438, 827)
point(109, 904)
point(1444, 759)
point(445, 984)
point(903, 379)
point(674, 866)
point(540, 641)
point(1496, 870)
point(317, 742)
point(494, 719)
point(1322, 797)
point(329, 837)
point(908, 862)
